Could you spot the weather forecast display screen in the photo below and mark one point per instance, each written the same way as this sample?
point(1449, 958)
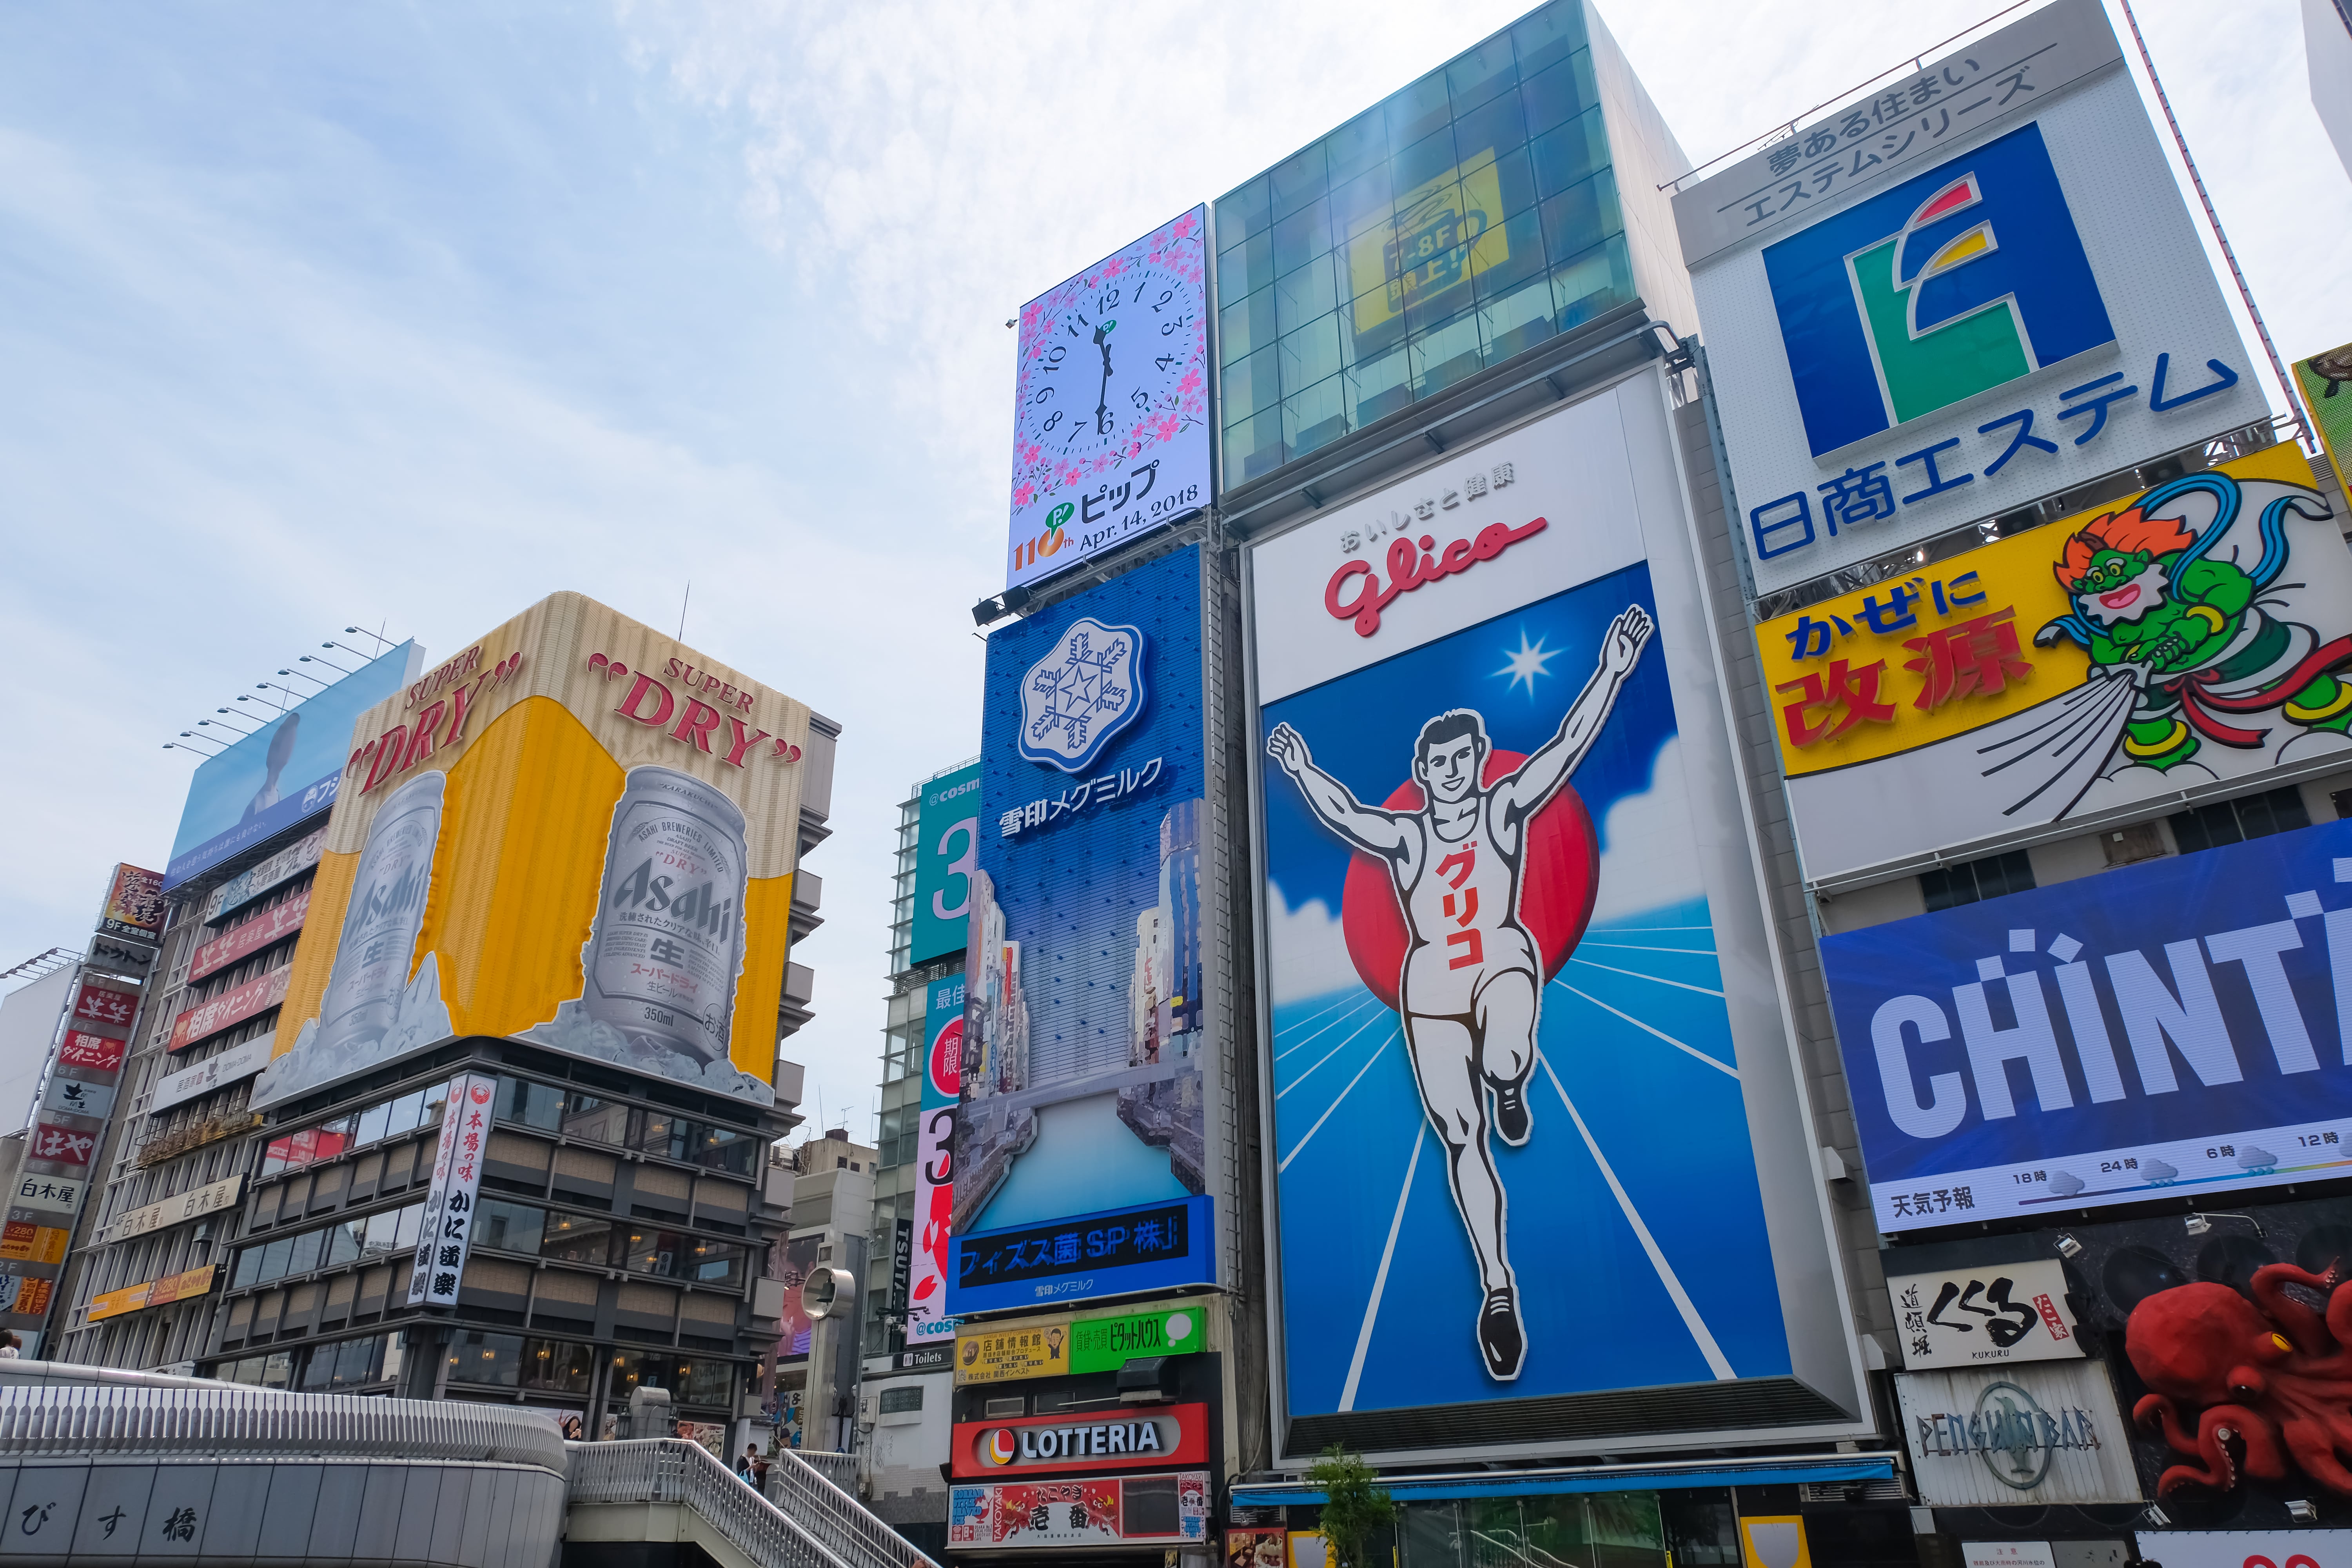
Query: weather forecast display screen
point(2162, 1029)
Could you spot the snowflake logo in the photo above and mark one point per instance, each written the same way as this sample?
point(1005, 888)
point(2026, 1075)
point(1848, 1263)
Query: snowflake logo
point(1080, 695)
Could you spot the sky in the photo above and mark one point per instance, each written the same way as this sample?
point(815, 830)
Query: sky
point(402, 317)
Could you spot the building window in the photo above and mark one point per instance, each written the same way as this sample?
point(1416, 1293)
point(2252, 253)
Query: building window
point(1971, 881)
point(1469, 217)
point(2235, 821)
point(493, 1361)
point(902, 1396)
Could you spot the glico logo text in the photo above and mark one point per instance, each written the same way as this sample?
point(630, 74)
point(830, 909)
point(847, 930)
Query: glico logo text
point(1950, 284)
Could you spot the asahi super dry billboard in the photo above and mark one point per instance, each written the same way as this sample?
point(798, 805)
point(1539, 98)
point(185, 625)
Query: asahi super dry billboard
point(577, 832)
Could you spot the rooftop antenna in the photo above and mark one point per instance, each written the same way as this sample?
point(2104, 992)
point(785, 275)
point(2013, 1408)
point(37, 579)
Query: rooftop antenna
point(681, 608)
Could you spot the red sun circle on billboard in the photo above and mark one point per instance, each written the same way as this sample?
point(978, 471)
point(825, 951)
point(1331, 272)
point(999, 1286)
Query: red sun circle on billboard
point(1559, 876)
point(946, 1058)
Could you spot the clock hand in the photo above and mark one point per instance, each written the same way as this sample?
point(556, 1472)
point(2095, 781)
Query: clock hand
point(1102, 389)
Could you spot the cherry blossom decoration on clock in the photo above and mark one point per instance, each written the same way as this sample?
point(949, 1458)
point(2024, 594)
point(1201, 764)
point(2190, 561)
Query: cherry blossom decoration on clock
point(1111, 429)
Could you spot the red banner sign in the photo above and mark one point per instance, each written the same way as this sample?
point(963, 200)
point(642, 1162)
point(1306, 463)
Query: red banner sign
point(105, 1009)
point(99, 1053)
point(61, 1144)
point(1129, 1439)
point(231, 1007)
point(266, 929)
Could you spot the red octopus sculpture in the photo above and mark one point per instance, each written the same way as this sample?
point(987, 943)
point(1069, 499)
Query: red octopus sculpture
point(2273, 1375)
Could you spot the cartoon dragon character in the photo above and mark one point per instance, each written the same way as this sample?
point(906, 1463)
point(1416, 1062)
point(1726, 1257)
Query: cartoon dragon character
point(2194, 629)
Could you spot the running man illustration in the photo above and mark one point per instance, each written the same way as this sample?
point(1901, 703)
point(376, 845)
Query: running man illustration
point(1471, 987)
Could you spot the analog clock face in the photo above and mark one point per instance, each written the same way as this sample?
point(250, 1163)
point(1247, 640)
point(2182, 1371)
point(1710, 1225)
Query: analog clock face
point(1111, 429)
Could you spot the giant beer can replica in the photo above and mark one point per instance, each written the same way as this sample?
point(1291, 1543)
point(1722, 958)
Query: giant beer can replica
point(667, 944)
point(386, 912)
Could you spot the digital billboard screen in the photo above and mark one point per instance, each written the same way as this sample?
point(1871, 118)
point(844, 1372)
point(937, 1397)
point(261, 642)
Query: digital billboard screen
point(1111, 433)
point(947, 852)
point(1086, 1075)
point(288, 770)
point(2182, 1026)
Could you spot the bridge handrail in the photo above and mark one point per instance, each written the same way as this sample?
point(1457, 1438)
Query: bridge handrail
point(41, 1418)
point(672, 1470)
point(847, 1526)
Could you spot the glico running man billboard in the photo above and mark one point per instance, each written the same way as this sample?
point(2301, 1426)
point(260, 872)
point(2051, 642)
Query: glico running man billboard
point(577, 832)
point(1083, 1143)
point(2180, 1026)
point(288, 770)
point(1537, 1134)
point(1976, 289)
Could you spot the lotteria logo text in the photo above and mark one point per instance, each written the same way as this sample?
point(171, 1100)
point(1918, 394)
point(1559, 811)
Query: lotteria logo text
point(1950, 284)
point(1030, 1445)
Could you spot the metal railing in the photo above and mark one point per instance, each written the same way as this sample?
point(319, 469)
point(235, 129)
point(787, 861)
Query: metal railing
point(672, 1470)
point(44, 1414)
point(841, 1470)
point(805, 1486)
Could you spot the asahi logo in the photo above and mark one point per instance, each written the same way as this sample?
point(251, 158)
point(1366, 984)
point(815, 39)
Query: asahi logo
point(699, 907)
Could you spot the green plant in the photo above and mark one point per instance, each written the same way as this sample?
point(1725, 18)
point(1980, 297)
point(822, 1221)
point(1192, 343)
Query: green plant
point(1355, 1504)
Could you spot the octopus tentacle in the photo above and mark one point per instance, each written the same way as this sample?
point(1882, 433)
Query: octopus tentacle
point(2312, 1334)
point(2315, 1447)
point(2214, 1428)
point(2154, 1413)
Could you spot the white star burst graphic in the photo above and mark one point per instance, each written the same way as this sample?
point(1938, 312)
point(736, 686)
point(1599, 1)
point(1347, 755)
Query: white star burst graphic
point(1527, 663)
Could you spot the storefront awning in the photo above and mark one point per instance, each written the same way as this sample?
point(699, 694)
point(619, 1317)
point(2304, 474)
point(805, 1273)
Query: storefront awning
point(1597, 1478)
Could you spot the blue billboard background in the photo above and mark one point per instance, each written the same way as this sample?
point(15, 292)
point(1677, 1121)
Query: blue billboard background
point(2181, 1025)
point(1082, 1088)
point(244, 795)
point(1640, 1138)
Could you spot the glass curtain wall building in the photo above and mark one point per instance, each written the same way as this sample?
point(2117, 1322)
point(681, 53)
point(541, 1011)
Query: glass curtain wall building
point(1505, 197)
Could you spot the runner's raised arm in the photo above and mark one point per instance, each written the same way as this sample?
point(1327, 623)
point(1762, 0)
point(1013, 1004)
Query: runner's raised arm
point(1539, 777)
point(1374, 831)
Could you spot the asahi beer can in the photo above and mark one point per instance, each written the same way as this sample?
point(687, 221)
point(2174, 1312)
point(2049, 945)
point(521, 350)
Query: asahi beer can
point(667, 946)
point(386, 914)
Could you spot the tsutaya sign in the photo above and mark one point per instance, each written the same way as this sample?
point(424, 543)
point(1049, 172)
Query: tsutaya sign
point(1979, 289)
point(597, 780)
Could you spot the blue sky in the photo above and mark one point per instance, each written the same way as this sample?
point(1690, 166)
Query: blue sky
point(406, 316)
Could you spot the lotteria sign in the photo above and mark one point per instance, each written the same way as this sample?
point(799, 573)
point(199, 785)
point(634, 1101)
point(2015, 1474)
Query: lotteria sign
point(1171, 1434)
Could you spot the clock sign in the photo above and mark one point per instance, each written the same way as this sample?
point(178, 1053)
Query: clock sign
point(1110, 427)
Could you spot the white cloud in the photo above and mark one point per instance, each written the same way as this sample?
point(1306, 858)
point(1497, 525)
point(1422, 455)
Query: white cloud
point(1306, 949)
point(1647, 857)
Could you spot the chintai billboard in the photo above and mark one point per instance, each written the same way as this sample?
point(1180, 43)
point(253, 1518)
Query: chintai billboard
point(2178, 1028)
point(1535, 1132)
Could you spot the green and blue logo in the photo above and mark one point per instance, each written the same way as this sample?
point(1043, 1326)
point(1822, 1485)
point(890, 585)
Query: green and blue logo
point(1964, 279)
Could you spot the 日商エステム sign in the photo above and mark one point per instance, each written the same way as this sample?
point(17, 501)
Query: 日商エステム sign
point(1981, 289)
